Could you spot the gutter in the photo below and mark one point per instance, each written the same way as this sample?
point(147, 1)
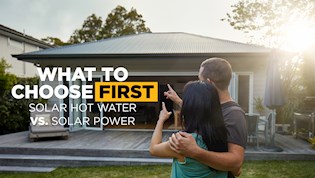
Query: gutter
point(84, 56)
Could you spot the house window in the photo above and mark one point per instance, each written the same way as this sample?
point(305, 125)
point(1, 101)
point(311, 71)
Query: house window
point(15, 43)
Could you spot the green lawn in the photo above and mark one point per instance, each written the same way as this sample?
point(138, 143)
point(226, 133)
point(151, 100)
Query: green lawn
point(250, 169)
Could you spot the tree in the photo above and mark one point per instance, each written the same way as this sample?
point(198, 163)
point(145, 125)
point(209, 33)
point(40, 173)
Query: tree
point(91, 30)
point(308, 71)
point(267, 22)
point(118, 23)
point(121, 22)
point(54, 41)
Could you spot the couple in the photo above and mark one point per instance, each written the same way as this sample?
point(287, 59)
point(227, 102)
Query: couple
point(214, 140)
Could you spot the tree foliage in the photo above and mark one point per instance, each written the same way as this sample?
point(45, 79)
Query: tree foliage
point(308, 67)
point(268, 17)
point(14, 113)
point(294, 90)
point(118, 23)
point(54, 41)
point(7, 80)
point(91, 30)
point(121, 22)
point(265, 21)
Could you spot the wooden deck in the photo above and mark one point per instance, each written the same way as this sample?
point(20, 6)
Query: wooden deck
point(288, 143)
point(118, 147)
point(86, 139)
point(121, 139)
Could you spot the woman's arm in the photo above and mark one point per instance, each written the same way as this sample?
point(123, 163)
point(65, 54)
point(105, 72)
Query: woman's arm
point(157, 148)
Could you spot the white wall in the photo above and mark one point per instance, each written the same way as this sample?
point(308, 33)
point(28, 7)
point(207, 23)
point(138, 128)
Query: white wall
point(256, 65)
point(19, 68)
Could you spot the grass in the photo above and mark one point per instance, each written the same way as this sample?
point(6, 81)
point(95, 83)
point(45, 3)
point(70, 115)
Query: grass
point(257, 169)
point(279, 169)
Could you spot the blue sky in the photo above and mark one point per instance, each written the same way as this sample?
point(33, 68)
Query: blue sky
point(59, 18)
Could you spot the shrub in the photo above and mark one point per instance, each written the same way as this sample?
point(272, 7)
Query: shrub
point(294, 90)
point(14, 113)
point(259, 106)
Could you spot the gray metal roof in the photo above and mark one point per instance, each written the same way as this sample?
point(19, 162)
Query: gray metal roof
point(150, 44)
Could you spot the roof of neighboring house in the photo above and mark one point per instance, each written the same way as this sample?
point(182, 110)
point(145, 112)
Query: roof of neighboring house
point(18, 36)
point(149, 44)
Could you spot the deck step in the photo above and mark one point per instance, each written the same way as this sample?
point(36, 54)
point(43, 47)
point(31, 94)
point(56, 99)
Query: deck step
point(145, 154)
point(77, 152)
point(25, 169)
point(75, 161)
point(278, 156)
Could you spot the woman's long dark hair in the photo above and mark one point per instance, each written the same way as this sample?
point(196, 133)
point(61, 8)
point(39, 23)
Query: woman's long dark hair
point(201, 112)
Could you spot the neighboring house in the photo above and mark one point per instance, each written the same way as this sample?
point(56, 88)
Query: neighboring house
point(172, 58)
point(14, 42)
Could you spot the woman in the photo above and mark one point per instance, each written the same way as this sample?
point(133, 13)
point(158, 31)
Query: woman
point(202, 117)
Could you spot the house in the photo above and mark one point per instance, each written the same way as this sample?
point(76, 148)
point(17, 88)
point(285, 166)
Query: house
point(172, 58)
point(14, 42)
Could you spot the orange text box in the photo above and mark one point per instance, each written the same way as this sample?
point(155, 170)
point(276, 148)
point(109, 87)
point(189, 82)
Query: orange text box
point(126, 92)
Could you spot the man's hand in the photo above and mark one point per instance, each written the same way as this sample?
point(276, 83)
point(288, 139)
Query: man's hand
point(237, 173)
point(183, 143)
point(172, 95)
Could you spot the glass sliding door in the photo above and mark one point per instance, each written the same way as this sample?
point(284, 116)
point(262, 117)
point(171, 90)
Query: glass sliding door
point(75, 115)
point(233, 86)
point(94, 114)
point(241, 90)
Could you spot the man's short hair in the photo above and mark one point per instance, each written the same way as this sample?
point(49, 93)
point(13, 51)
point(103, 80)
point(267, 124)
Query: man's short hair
point(218, 70)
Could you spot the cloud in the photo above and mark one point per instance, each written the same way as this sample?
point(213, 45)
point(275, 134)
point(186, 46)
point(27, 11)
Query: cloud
point(43, 18)
point(59, 18)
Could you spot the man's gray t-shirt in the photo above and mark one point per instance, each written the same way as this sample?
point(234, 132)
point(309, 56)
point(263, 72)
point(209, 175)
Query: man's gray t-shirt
point(235, 123)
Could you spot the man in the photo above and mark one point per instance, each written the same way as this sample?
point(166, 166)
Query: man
point(217, 71)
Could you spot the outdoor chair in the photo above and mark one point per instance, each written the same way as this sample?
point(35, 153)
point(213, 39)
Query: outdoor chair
point(264, 127)
point(49, 129)
point(252, 128)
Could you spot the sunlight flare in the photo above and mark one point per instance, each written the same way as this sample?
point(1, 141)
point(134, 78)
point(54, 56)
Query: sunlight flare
point(298, 35)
